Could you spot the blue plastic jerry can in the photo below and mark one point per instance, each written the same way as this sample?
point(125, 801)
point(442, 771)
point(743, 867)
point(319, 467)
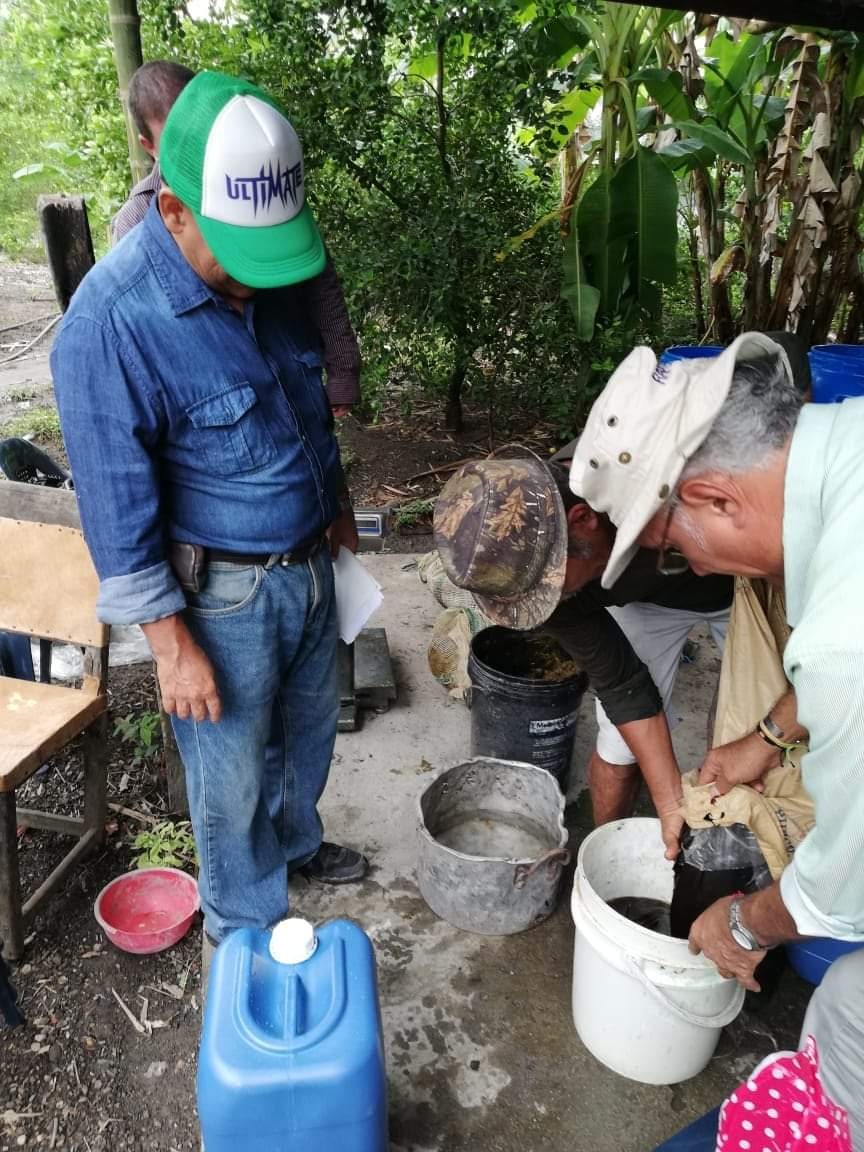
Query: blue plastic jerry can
point(292, 1057)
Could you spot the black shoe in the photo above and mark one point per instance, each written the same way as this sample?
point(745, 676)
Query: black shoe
point(334, 864)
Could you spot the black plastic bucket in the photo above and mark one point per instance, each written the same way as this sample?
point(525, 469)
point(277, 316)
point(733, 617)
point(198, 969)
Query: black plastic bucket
point(521, 709)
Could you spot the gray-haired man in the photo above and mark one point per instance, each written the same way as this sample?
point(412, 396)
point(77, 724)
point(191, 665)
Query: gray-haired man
point(720, 461)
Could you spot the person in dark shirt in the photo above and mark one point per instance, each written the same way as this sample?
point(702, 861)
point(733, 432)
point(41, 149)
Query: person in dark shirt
point(513, 533)
point(629, 638)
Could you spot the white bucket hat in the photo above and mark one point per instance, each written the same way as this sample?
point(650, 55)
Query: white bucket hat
point(643, 428)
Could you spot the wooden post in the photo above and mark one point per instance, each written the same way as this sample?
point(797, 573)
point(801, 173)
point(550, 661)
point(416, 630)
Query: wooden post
point(175, 773)
point(68, 243)
point(11, 917)
point(126, 37)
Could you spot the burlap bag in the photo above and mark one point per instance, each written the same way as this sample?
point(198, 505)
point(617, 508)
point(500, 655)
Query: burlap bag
point(752, 679)
point(449, 648)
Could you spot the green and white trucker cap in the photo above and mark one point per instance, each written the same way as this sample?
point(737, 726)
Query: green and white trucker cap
point(233, 158)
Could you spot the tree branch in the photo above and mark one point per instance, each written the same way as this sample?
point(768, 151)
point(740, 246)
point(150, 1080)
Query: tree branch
point(442, 111)
point(372, 182)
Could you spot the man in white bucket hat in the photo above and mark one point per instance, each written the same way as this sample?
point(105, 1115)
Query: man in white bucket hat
point(718, 462)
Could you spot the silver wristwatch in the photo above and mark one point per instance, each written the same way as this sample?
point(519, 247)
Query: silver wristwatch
point(742, 935)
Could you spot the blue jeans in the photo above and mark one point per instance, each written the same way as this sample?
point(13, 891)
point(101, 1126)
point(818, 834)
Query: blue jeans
point(255, 778)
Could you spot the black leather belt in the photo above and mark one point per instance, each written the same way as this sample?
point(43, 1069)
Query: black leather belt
point(266, 559)
point(190, 561)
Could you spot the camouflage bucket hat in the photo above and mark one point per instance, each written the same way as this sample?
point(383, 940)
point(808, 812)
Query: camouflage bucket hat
point(501, 531)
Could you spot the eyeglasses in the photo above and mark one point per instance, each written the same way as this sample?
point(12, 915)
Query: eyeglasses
point(670, 561)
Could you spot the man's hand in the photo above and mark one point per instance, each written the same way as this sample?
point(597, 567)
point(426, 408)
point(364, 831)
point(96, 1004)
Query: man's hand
point(671, 823)
point(710, 934)
point(744, 761)
point(651, 744)
point(343, 532)
point(186, 677)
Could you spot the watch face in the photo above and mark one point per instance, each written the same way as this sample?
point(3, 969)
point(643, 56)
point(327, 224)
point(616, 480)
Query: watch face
point(742, 940)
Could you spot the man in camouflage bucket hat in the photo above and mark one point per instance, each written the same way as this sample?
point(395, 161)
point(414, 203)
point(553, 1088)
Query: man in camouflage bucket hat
point(501, 529)
point(532, 553)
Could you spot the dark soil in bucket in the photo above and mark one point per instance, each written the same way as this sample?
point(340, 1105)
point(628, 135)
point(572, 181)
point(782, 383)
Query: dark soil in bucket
point(529, 656)
point(644, 911)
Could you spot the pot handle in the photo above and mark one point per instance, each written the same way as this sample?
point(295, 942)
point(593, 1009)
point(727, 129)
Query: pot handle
point(468, 693)
point(554, 859)
point(719, 1020)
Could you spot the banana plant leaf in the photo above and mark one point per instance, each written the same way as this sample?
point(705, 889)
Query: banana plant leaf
point(603, 254)
point(732, 66)
point(627, 239)
point(583, 298)
point(666, 88)
point(712, 136)
point(686, 154)
point(644, 198)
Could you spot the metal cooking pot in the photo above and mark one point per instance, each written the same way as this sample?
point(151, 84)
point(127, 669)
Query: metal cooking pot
point(491, 845)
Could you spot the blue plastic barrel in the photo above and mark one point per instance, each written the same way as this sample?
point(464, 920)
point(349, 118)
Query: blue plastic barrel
point(700, 1136)
point(837, 371)
point(292, 1057)
point(812, 958)
point(689, 352)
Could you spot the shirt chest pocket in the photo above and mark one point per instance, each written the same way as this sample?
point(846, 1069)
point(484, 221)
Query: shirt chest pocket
point(311, 365)
point(230, 430)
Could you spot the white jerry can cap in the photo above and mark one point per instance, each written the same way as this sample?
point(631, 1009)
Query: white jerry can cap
point(292, 941)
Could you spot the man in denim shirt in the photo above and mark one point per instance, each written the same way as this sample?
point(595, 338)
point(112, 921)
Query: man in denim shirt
point(152, 91)
point(207, 476)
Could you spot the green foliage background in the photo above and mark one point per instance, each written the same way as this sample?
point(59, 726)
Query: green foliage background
point(58, 108)
point(417, 198)
point(444, 145)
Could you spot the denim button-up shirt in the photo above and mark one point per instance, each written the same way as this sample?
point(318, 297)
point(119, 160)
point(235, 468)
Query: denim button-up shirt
point(185, 420)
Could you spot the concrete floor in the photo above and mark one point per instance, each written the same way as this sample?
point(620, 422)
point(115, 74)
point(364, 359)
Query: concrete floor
point(481, 1049)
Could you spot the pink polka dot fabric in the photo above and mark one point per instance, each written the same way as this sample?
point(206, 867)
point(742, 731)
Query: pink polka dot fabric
point(783, 1108)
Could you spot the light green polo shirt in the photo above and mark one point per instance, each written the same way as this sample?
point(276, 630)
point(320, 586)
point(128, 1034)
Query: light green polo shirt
point(823, 549)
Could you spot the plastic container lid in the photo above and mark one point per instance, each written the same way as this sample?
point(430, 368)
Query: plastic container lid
point(292, 941)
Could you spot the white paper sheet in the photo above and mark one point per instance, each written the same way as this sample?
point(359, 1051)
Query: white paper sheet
point(358, 595)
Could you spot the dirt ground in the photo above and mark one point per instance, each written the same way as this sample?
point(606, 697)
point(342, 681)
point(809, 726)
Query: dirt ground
point(79, 1075)
point(27, 306)
point(26, 299)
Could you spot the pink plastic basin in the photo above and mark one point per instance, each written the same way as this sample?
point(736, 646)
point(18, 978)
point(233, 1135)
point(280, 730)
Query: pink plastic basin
point(148, 910)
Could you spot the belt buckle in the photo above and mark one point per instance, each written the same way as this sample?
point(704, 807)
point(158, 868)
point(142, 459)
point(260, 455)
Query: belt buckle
point(294, 556)
point(280, 559)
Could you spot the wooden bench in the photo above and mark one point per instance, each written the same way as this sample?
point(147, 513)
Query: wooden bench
point(48, 590)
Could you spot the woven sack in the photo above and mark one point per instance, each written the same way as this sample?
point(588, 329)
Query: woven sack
point(450, 645)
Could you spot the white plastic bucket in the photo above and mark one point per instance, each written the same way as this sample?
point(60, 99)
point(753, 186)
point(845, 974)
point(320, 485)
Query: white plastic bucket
point(642, 1003)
